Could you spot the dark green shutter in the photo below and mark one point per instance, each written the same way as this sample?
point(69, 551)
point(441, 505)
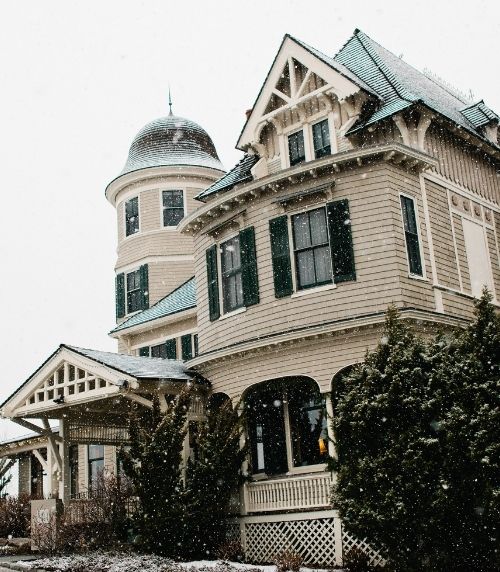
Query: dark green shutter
point(195, 343)
point(339, 226)
point(144, 282)
point(213, 283)
point(120, 295)
point(171, 349)
point(187, 349)
point(249, 277)
point(144, 352)
point(280, 252)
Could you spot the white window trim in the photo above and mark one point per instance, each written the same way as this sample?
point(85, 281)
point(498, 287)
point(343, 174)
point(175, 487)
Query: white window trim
point(131, 271)
point(184, 205)
point(419, 235)
point(224, 315)
point(125, 236)
point(306, 128)
point(313, 289)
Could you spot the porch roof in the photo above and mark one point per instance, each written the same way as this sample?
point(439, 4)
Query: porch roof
point(137, 366)
point(100, 375)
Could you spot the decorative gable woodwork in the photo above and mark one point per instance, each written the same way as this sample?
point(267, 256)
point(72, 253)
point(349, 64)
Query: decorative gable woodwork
point(301, 89)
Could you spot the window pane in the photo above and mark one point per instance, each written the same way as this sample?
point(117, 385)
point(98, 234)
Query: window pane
point(321, 139)
point(296, 147)
point(232, 287)
point(173, 207)
point(132, 216)
point(319, 233)
point(305, 268)
point(323, 264)
point(301, 233)
point(173, 199)
point(308, 423)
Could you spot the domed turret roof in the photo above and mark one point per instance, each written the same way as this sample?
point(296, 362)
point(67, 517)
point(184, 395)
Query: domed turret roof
point(172, 140)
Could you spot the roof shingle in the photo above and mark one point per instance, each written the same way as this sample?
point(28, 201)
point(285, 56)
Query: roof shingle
point(180, 299)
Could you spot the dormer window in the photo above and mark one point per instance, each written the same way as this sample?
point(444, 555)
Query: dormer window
point(296, 148)
point(132, 216)
point(321, 139)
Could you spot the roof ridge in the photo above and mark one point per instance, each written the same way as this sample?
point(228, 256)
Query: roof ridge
point(364, 40)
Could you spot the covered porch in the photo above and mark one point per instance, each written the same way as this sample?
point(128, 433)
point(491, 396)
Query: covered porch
point(77, 406)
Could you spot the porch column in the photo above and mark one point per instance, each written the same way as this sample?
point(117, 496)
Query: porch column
point(64, 476)
point(331, 443)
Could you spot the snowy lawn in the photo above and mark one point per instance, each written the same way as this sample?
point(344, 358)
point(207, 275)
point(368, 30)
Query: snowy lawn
point(122, 562)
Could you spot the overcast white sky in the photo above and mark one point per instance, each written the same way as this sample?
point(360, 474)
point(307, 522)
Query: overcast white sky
point(79, 79)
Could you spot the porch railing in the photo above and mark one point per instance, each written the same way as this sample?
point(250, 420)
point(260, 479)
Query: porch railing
point(291, 493)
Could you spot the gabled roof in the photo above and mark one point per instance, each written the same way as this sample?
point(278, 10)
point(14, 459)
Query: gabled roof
point(180, 299)
point(240, 173)
point(112, 368)
point(398, 83)
point(136, 366)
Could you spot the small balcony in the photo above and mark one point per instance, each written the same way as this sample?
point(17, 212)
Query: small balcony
point(289, 493)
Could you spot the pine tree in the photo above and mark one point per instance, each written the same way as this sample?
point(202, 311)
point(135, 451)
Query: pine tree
point(211, 478)
point(417, 431)
point(153, 463)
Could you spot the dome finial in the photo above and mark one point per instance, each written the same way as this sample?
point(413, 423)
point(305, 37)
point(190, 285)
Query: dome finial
point(170, 101)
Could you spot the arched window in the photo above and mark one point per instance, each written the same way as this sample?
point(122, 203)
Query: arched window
point(287, 425)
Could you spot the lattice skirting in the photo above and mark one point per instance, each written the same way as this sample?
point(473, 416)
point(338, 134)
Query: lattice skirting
point(318, 537)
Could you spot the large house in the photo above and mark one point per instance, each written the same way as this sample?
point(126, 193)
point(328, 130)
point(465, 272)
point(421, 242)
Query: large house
point(363, 183)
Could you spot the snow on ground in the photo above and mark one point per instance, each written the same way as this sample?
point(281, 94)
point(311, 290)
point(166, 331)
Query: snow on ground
point(122, 562)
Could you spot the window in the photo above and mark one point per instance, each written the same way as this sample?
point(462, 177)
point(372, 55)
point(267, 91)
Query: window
point(173, 207)
point(167, 350)
point(132, 291)
point(322, 248)
point(296, 148)
point(232, 286)
point(132, 216)
point(321, 139)
point(239, 279)
point(411, 235)
point(313, 262)
point(95, 464)
point(187, 347)
point(287, 425)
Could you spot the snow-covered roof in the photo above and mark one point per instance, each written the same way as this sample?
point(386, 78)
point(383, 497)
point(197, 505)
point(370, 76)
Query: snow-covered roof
point(182, 298)
point(172, 141)
point(400, 85)
point(138, 366)
point(240, 173)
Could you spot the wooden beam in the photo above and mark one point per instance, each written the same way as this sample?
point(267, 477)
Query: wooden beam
point(6, 467)
point(35, 428)
point(54, 447)
point(41, 460)
point(139, 399)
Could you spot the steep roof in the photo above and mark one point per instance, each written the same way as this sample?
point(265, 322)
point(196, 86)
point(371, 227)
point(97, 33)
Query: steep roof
point(399, 84)
point(182, 298)
point(238, 174)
